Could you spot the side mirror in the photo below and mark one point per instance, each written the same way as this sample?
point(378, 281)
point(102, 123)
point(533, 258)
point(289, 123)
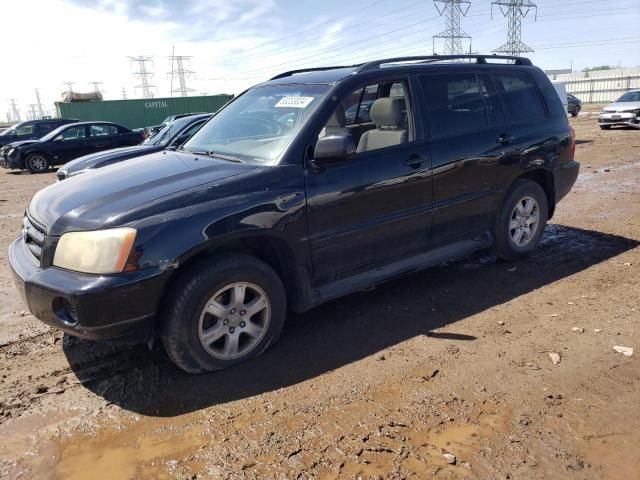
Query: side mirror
point(334, 147)
point(180, 140)
point(59, 138)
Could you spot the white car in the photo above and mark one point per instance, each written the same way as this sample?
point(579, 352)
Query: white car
point(624, 111)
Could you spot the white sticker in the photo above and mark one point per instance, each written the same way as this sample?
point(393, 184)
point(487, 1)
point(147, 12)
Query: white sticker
point(294, 102)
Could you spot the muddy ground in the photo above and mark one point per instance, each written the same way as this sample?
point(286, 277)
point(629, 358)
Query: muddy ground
point(379, 384)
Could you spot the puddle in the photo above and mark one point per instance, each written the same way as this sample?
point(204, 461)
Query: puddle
point(121, 454)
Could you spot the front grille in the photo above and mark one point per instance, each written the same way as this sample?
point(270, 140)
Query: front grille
point(33, 235)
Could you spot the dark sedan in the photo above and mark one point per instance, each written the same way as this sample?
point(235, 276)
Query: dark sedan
point(574, 105)
point(66, 143)
point(172, 135)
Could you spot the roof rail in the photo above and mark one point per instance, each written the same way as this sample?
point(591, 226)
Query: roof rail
point(437, 58)
point(303, 70)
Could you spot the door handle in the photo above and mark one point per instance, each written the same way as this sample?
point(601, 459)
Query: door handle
point(415, 161)
point(504, 138)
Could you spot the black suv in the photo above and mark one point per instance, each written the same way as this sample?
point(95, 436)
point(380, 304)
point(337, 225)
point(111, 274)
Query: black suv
point(280, 203)
point(31, 130)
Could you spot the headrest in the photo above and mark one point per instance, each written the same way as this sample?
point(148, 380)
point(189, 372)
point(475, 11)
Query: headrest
point(338, 119)
point(388, 112)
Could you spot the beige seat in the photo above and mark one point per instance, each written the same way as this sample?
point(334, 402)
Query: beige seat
point(389, 117)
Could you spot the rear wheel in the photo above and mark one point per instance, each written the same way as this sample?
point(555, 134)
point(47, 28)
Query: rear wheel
point(522, 220)
point(223, 312)
point(605, 127)
point(36, 163)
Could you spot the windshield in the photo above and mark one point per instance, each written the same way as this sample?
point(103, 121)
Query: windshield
point(8, 131)
point(630, 97)
point(258, 126)
point(166, 133)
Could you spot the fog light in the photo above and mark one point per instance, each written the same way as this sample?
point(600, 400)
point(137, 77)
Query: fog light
point(65, 311)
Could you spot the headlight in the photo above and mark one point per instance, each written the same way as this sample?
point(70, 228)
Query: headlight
point(99, 251)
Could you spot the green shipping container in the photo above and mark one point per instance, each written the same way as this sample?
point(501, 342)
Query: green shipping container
point(140, 113)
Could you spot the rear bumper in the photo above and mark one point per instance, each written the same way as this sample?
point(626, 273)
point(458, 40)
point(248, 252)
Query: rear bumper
point(565, 178)
point(98, 307)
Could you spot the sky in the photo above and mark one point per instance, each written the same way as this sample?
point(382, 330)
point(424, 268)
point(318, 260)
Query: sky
point(236, 44)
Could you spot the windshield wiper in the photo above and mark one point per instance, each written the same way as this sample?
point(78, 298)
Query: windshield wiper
point(213, 154)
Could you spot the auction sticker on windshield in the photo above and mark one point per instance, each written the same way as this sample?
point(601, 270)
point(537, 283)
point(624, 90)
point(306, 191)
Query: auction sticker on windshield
point(294, 102)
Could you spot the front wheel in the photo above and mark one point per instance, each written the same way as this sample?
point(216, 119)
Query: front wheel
point(575, 112)
point(521, 222)
point(36, 163)
point(605, 127)
point(223, 312)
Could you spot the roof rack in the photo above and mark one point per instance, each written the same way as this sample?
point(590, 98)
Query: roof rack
point(438, 58)
point(303, 70)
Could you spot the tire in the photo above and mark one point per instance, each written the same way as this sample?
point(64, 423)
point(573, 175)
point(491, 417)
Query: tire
point(575, 112)
point(36, 163)
point(225, 323)
point(605, 127)
point(506, 244)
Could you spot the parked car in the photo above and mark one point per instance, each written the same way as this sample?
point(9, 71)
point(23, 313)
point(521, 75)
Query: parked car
point(153, 129)
point(574, 105)
point(207, 247)
point(66, 143)
point(31, 130)
point(624, 111)
point(172, 135)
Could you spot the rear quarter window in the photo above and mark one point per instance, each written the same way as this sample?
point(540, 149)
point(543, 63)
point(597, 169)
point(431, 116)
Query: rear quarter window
point(520, 95)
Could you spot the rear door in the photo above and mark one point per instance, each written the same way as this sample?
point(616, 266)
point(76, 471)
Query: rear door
point(375, 207)
point(469, 148)
point(102, 136)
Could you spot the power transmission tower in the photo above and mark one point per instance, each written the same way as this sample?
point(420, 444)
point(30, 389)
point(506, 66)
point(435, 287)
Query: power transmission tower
point(144, 75)
point(124, 93)
point(452, 10)
point(181, 73)
point(39, 104)
point(15, 113)
point(32, 114)
point(96, 86)
point(515, 11)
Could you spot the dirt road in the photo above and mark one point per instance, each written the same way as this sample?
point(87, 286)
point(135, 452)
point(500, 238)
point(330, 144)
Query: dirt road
point(381, 384)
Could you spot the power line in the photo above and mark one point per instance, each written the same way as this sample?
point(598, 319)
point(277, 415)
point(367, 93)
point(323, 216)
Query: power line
point(181, 73)
point(515, 11)
point(453, 35)
point(143, 75)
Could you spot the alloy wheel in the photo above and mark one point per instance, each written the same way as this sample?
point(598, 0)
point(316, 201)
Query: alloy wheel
point(525, 220)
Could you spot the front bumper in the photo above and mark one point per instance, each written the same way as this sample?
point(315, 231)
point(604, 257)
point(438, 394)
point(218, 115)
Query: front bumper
point(565, 178)
point(619, 118)
point(98, 307)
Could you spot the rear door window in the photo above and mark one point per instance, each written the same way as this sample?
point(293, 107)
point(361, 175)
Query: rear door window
point(520, 95)
point(74, 133)
point(454, 103)
point(102, 130)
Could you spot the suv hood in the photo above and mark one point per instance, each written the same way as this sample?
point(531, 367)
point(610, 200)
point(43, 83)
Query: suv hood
point(98, 159)
point(622, 106)
point(89, 201)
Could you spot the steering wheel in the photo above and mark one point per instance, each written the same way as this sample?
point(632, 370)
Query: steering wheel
point(270, 126)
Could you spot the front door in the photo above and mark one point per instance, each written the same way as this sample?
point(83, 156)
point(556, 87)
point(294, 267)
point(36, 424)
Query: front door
point(69, 144)
point(374, 207)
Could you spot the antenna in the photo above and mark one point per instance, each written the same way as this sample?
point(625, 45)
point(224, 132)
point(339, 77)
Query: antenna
point(515, 11)
point(144, 75)
point(453, 35)
point(181, 73)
